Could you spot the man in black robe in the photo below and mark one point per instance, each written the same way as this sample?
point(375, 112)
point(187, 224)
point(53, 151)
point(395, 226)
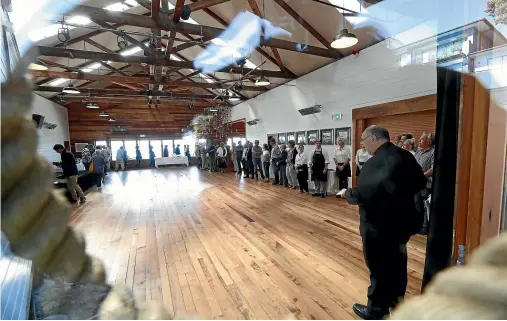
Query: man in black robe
point(390, 210)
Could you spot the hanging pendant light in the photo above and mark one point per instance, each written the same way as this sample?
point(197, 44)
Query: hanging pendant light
point(103, 114)
point(38, 65)
point(344, 39)
point(234, 98)
point(111, 119)
point(70, 89)
point(92, 106)
point(262, 81)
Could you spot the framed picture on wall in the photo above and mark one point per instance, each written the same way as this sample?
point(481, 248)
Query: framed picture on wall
point(326, 135)
point(282, 138)
point(311, 136)
point(291, 136)
point(300, 138)
point(270, 137)
point(344, 133)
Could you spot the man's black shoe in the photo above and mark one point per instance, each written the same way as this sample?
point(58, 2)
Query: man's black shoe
point(363, 313)
point(315, 194)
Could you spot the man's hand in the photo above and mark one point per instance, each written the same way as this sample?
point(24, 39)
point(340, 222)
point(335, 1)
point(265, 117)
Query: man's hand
point(324, 171)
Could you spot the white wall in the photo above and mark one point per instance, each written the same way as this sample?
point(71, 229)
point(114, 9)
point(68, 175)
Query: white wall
point(372, 77)
point(54, 114)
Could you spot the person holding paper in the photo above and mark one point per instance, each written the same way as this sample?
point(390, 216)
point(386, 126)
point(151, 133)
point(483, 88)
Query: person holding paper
point(387, 189)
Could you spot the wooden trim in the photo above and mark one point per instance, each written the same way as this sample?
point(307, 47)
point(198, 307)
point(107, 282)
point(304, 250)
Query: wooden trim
point(463, 165)
point(478, 145)
point(412, 105)
point(358, 128)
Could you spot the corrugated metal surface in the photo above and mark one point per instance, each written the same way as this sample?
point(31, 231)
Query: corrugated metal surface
point(16, 280)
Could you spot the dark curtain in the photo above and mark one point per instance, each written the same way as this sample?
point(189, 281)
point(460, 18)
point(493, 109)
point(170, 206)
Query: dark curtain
point(440, 236)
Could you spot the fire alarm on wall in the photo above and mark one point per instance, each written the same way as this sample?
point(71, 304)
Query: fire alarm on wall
point(355, 52)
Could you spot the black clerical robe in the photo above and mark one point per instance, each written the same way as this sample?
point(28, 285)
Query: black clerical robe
point(387, 189)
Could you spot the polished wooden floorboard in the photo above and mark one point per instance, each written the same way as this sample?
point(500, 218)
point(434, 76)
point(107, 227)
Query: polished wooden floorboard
point(216, 246)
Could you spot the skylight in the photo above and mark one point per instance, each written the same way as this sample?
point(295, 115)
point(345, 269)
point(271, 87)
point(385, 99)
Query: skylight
point(353, 5)
point(119, 6)
point(131, 51)
point(52, 30)
point(91, 67)
point(58, 81)
point(207, 78)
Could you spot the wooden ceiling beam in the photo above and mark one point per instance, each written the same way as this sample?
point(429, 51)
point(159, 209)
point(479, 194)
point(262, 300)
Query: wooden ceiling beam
point(133, 101)
point(178, 10)
point(257, 11)
point(100, 91)
point(304, 23)
point(117, 32)
point(135, 79)
point(99, 46)
point(259, 50)
point(187, 28)
point(93, 55)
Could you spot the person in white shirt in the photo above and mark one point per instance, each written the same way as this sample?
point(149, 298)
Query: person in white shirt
point(362, 156)
point(106, 152)
point(221, 155)
point(342, 156)
point(409, 145)
point(266, 157)
point(301, 164)
point(318, 164)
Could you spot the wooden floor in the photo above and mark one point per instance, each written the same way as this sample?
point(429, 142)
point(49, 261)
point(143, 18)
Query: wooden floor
point(218, 246)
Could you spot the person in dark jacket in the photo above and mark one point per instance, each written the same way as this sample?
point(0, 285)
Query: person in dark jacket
point(282, 164)
point(98, 163)
point(69, 168)
point(166, 151)
point(248, 154)
point(239, 157)
point(177, 150)
point(212, 159)
point(386, 192)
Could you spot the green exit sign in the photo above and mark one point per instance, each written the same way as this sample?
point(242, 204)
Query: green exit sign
point(337, 116)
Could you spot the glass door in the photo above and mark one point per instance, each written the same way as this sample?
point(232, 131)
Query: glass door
point(115, 145)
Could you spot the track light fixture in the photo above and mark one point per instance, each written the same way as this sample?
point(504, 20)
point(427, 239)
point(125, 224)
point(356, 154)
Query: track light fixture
point(103, 114)
point(111, 119)
point(70, 89)
point(63, 34)
point(238, 86)
point(122, 43)
point(185, 14)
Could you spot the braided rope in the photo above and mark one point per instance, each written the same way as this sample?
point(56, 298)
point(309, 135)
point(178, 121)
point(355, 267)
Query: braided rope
point(35, 216)
point(477, 290)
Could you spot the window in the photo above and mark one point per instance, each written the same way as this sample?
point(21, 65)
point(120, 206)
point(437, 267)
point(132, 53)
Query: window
point(238, 139)
point(144, 148)
point(170, 147)
point(406, 59)
point(130, 147)
point(157, 147)
point(495, 63)
point(115, 144)
point(100, 143)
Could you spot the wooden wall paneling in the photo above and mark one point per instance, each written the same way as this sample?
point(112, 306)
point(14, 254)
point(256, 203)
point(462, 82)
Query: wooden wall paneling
point(480, 104)
point(417, 104)
point(415, 123)
point(463, 165)
point(494, 166)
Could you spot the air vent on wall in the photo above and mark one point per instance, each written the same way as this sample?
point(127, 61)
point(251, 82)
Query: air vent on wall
point(252, 122)
point(310, 110)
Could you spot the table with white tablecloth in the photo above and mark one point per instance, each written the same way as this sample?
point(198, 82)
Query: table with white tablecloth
point(177, 160)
